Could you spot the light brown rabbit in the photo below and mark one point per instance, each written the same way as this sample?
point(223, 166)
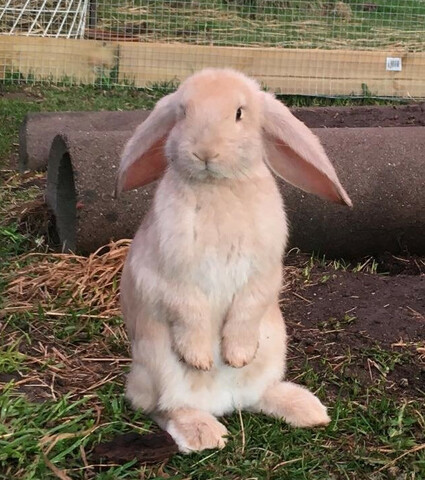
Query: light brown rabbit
point(200, 286)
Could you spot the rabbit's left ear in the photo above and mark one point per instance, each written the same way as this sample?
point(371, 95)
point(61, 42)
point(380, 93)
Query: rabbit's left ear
point(295, 154)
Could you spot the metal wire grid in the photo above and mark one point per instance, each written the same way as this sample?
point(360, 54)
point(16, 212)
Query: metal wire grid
point(44, 18)
point(396, 25)
point(277, 23)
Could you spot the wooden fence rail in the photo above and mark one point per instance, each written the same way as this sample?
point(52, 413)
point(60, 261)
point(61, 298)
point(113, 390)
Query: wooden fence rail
point(287, 71)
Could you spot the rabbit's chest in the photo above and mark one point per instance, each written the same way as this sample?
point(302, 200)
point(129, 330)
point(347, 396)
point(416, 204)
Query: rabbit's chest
point(221, 270)
point(218, 238)
point(220, 249)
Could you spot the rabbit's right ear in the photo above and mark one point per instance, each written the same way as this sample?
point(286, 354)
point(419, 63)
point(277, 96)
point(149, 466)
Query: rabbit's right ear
point(143, 159)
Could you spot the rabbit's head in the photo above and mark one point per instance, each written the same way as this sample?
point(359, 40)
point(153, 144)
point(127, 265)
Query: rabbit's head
point(219, 124)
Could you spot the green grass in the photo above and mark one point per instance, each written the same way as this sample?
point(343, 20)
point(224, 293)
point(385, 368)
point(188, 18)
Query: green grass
point(51, 416)
point(369, 432)
point(293, 24)
point(20, 100)
point(367, 265)
point(278, 23)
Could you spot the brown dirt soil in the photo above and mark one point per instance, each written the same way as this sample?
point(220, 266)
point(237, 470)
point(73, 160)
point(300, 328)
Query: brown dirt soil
point(364, 116)
point(336, 312)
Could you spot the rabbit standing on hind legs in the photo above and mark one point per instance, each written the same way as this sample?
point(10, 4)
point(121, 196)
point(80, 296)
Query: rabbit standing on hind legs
point(200, 285)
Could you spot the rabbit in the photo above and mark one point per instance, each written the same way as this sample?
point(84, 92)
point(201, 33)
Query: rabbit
point(200, 285)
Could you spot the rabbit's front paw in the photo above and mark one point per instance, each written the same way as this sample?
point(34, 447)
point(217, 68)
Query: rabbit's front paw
point(197, 359)
point(238, 348)
point(194, 350)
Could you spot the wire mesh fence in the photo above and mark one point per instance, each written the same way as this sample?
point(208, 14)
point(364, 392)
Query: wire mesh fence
point(135, 42)
point(45, 18)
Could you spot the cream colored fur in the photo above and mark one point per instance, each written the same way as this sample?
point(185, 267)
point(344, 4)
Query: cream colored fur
point(200, 286)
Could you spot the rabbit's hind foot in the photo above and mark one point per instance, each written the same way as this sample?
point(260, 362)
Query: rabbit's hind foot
point(193, 430)
point(294, 404)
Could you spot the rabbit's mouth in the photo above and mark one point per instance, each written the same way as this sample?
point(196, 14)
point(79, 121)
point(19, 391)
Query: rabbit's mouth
point(206, 163)
point(211, 171)
point(213, 167)
point(207, 168)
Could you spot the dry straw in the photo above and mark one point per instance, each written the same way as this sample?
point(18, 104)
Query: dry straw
point(69, 281)
point(62, 356)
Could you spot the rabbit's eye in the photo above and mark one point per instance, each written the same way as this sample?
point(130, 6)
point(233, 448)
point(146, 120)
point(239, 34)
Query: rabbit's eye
point(239, 114)
point(183, 110)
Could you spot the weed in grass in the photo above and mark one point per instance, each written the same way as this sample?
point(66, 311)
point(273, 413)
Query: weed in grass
point(370, 265)
point(337, 324)
point(386, 360)
point(320, 261)
point(12, 244)
point(11, 359)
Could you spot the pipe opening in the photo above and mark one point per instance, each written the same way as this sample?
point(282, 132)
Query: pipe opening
point(66, 205)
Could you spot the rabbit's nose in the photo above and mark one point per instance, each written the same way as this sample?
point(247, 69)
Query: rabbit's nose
point(204, 155)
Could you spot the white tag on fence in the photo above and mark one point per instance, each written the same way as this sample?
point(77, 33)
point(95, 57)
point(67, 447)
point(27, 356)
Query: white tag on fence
point(394, 64)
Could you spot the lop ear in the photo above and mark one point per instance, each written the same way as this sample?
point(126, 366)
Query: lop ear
point(143, 159)
point(295, 154)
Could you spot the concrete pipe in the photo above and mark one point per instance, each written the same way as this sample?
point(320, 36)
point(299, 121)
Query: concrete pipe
point(383, 171)
point(80, 185)
point(381, 168)
point(39, 129)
